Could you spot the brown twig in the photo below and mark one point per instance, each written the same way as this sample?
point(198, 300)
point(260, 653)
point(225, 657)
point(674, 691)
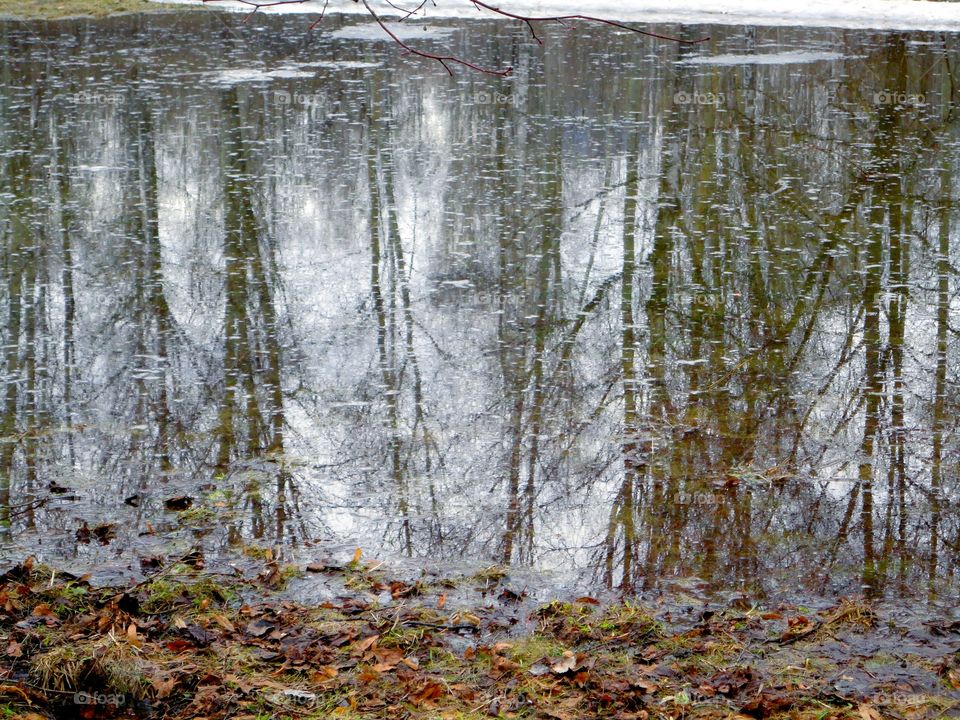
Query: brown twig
point(529, 20)
point(323, 11)
point(406, 13)
point(447, 60)
point(442, 59)
point(258, 4)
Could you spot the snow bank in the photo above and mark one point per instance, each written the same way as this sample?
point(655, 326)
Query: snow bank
point(877, 14)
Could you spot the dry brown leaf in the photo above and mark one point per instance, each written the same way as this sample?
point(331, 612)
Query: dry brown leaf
point(43, 610)
point(325, 673)
point(646, 685)
point(502, 665)
point(465, 618)
point(367, 676)
point(567, 663)
point(132, 637)
point(428, 693)
point(868, 713)
point(362, 646)
point(163, 686)
point(411, 662)
point(224, 622)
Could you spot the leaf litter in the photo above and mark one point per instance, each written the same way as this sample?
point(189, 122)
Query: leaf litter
point(190, 643)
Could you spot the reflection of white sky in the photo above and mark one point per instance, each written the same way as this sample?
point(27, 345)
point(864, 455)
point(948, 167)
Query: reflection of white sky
point(312, 187)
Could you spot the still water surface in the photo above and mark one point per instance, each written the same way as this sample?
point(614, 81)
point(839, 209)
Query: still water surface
point(645, 315)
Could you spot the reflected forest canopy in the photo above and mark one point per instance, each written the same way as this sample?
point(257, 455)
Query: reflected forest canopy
point(643, 314)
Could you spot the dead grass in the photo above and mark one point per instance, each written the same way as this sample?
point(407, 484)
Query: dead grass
point(59, 9)
point(108, 664)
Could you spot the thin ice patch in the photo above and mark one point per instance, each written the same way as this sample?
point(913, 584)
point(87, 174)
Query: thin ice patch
point(782, 58)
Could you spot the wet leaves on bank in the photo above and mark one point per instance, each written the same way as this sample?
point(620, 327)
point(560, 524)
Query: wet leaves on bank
point(188, 643)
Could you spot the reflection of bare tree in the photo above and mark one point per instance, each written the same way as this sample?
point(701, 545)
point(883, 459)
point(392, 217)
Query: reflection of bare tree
point(940, 373)
point(26, 411)
point(18, 260)
point(150, 324)
point(635, 451)
point(726, 382)
point(251, 416)
point(529, 280)
point(251, 408)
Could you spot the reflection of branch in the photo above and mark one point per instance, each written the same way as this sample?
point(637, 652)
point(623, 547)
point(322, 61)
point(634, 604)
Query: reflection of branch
point(446, 60)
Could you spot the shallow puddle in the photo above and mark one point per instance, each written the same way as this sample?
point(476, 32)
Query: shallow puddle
point(645, 315)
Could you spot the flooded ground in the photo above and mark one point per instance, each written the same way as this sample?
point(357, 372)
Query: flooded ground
point(645, 315)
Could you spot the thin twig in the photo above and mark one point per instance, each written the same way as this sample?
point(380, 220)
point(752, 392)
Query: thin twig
point(442, 59)
point(447, 60)
point(529, 20)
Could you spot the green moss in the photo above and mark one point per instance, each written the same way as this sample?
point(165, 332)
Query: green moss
point(165, 593)
point(403, 637)
point(527, 651)
point(197, 515)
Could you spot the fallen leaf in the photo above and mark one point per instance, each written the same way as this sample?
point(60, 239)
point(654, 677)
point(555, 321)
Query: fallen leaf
point(368, 676)
point(180, 645)
point(43, 610)
point(258, 627)
point(357, 554)
point(132, 635)
point(223, 622)
point(428, 693)
point(180, 502)
point(362, 646)
point(567, 663)
point(325, 673)
point(163, 686)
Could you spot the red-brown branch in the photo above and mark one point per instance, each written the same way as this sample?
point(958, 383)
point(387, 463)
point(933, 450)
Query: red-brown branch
point(442, 59)
point(257, 4)
point(406, 13)
point(447, 60)
point(528, 21)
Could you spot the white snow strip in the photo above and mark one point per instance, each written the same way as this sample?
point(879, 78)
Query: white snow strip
point(405, 31)
point(782, 58)
point(875, 14)
point(252, 75)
